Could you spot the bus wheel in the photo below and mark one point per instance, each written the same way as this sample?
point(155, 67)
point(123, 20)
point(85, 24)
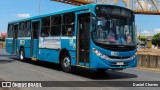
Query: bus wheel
point(66, 63)
point(21, 55)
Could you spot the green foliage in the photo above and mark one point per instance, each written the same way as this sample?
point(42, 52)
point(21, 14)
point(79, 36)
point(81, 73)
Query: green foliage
point(156, 39)
point(142, 37)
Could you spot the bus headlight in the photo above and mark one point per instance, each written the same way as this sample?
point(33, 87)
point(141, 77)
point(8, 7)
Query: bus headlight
point(99, 54)
point(134, 56)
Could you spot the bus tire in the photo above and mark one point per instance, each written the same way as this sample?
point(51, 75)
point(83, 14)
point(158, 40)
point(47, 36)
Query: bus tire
point(66, 63)
point(22, 55)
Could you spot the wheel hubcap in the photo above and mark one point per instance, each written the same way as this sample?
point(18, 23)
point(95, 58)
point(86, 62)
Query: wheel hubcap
point(66, 62)
point(21, 55)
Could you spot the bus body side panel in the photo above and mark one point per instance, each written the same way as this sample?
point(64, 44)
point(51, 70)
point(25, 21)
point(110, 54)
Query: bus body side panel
point(9, 45)
point(27, 52)
point(25, 43)
point(52, 55)
point(73, 57)
point(98, 62)
point(15, 47)
point(49, 55)
point(69, 43)
point(35, 47)
point(49, 49)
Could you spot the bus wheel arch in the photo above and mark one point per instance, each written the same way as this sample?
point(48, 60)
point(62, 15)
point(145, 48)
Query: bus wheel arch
point(62, 52)
point(65, 60)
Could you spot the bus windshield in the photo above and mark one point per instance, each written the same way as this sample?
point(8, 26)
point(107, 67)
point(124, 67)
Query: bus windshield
point(114, 29)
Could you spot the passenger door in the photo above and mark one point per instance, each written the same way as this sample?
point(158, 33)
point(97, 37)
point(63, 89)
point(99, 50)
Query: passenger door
point(35, 39)
point(15, 31)
point(83, 39)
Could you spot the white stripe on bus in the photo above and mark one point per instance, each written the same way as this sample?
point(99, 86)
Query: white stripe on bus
point(9, 38)
point(25, 38)
point(74, 37)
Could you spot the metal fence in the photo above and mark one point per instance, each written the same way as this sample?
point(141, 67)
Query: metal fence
point(149, 61)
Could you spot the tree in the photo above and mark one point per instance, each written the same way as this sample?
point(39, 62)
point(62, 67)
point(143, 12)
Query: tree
point(156, 39)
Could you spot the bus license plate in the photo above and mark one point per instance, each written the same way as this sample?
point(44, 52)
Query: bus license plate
point(120, 63)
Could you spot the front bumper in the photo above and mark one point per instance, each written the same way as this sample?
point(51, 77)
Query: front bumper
point(112, 64)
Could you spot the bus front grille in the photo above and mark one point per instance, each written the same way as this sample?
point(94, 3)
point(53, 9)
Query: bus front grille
point(114, 64)
point(115, 57)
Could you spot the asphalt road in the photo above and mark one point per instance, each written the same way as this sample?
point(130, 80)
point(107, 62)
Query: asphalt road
point(13, 70)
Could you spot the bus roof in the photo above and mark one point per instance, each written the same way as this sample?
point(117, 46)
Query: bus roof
point(91, 6)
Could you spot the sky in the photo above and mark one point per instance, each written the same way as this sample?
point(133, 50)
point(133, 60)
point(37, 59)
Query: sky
point(11, 10)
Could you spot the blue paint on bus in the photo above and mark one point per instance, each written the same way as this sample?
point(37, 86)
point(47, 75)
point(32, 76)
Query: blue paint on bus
point(99, 55)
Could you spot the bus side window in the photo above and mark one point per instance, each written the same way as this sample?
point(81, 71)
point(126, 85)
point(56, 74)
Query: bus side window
point(44, 32)
point(27, 27)
point(56, 25)
point(45, 27)
point(10, 31)
point(68, 24)
point(24, 29)
point(21, 30)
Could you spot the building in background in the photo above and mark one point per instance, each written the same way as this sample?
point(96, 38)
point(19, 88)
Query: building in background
point(2, 36)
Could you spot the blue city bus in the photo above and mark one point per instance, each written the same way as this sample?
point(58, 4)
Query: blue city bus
point(95, 36)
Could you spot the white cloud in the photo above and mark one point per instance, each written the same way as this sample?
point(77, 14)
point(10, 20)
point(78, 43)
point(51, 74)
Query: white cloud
point(25, 15)
point(146, 33)
point(156, 31)
point(150, 32)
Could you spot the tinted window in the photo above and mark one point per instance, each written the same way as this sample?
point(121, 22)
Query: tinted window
point(56, 25)
point(56, 20)
point(24, 29)
point(21, 30)
point(28, 25)
point(68, 24)
point(10, 31)
point(45, 27)
point(21, 27)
